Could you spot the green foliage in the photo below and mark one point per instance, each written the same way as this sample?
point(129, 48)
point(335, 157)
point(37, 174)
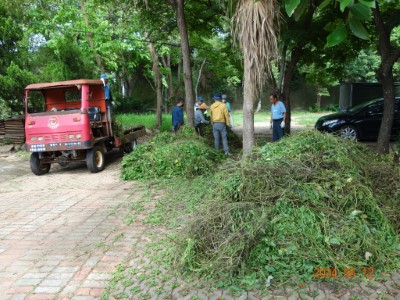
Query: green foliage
point(314, 108)
point(337, 36)
point(354, 13)
point(168, 155)
point(132, 104)
point(308, 201)
point(333, 107)
point(147, 120)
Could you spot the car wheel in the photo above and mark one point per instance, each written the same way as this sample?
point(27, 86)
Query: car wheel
point(95, 159)
point(131, 146)
point(349, 133)
point(37, 167)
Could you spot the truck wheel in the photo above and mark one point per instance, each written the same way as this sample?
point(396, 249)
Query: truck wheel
point(95, 159)
point(37, 167)
point(131, 146)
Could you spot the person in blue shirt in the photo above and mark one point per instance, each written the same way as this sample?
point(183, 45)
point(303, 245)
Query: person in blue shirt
point(108, 97)
point(278, 117)
point(199, 120)
point(106, 88)
point(177, 115)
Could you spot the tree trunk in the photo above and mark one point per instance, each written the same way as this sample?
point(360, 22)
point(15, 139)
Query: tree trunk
point(170, 90)
point(389, 55)
point(248, 110)
point(282, 68)
point(287, 81)
point(318, 102)
point(90, 39)
point(187, 70)
point(158, 82)
point(198, 78)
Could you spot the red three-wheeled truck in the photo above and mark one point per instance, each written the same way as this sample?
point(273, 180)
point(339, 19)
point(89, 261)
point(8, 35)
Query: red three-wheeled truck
point(69, 121)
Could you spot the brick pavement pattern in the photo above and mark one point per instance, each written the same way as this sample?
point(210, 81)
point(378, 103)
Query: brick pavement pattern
point(61, 234)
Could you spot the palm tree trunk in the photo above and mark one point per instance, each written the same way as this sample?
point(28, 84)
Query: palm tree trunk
point(248, 110)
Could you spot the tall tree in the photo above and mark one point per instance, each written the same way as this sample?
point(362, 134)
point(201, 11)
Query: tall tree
point(178, 5)
point(90, 38)
point(157, 80)
point(354, 15)
point(255, 28)
point(389, 53)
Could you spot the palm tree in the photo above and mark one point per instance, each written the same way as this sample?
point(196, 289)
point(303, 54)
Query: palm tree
point(255, 26)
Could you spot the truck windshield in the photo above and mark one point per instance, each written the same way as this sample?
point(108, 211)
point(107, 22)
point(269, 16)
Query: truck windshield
point(36, 102)
point(53, 100)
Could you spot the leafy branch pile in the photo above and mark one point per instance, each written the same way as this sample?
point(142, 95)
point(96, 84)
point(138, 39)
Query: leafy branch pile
point(311, 200)
point(168, 155)
point(234, 141)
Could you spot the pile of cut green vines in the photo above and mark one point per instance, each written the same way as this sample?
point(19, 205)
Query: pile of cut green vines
point(311, 200)
point(168, 155)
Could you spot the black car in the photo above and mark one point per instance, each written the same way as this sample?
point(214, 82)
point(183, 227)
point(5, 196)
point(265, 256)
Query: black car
point(362, 122)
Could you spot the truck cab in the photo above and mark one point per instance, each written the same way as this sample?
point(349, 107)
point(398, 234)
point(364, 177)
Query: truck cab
point(69, 121)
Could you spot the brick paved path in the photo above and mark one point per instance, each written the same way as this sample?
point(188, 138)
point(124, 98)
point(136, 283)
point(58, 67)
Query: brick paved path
point(65, 236)
point(62, 235)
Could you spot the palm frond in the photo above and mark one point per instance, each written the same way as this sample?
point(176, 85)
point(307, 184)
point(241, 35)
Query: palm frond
point(255, 26)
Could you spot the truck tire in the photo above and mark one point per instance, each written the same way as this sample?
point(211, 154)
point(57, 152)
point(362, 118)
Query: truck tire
point(37, 167)
point(131, 146)
point(95, 159)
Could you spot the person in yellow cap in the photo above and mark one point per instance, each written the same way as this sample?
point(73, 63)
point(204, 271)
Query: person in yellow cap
point(199, 120)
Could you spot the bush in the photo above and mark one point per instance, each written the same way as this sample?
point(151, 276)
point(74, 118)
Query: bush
point(333, 107)
point(314, 108)
point(310, 200)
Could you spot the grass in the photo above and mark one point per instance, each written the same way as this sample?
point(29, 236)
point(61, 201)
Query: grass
point(304, 118)
point(148, 120)
point(299, 117)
